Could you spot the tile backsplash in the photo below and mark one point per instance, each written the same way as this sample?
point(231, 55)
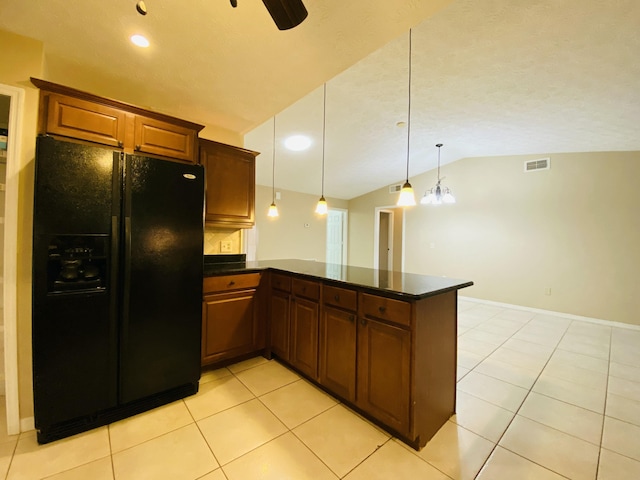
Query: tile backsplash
point(221, 240)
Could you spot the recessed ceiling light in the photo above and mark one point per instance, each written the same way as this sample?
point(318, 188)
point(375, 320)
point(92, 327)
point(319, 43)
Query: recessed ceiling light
point(140, 41)
point(297, 143)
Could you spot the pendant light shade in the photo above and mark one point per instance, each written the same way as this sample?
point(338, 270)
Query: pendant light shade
point(273, 209)
point(321, 207)
point(407, 197)
point(438, 194)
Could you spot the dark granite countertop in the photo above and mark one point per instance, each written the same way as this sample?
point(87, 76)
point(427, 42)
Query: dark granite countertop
point(397, 284)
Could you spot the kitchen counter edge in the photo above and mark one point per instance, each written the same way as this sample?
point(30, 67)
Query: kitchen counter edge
point(407, 286)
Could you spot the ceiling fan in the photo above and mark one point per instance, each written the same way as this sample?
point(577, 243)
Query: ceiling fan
point(285, 13)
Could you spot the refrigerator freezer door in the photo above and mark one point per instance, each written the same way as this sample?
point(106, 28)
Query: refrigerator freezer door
point(74, 319)
point(162, 267)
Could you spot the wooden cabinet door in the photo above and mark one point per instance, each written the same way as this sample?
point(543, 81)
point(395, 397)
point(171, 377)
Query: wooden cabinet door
point(231, 179)
point(304, 336)
point(76, 118)
point(280, 332)
point(338, 352)
point(229, 325)
point(384, 382)
point(156, 137)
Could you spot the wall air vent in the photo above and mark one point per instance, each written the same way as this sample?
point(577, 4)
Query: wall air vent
point(395, 188)
point(540, 164)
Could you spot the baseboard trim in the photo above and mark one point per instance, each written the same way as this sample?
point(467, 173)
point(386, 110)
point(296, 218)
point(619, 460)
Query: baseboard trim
point(27, 423)
point(600, 321)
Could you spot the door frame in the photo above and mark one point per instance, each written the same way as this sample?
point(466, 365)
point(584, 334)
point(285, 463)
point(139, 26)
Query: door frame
point(14, 144)
point(376, 236)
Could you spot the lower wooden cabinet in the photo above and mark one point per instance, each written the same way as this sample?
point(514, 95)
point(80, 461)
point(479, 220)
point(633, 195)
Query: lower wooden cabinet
point(392, 359)
point(304, 336)
point(280, 322)
point(384, 373)
point(231, 325)
point(337, 356)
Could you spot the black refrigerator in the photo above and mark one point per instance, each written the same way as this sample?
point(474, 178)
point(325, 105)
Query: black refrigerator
point(117, 285)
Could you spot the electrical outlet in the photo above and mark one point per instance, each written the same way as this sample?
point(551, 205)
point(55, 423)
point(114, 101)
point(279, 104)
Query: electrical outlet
point(547, 290)
point(225, 246)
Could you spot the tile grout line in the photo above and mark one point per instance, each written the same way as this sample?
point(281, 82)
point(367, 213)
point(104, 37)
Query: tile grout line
point(288, 430)
point(13, 454)
point(519, 408)
point(603, 414)
point(606, 396)
point(472, 369)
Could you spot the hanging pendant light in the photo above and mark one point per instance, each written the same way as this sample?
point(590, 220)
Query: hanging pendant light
point(273, 209)
point(321, 208)
point(438, 194)
point(407, 198)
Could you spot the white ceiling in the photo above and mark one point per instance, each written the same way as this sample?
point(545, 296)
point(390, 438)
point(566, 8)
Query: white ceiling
point(489, 77)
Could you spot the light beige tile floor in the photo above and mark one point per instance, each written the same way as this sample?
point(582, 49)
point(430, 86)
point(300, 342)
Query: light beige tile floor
point(539, 397)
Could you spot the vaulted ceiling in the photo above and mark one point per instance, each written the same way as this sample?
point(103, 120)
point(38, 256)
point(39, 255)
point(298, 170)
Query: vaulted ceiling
point(489, 77)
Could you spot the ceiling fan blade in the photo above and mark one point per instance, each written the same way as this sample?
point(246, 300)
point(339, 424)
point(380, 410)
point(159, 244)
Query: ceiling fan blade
point(286, 13)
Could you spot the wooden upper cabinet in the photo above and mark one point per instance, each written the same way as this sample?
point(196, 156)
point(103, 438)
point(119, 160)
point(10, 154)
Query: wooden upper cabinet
point(76, 118)
point(163, 138)
point(79, 115)
point(231, 180)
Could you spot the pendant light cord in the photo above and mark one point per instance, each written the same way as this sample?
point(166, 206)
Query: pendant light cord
point(324, 129)
point(409, 109)
point(439, 145)
point(273, 165)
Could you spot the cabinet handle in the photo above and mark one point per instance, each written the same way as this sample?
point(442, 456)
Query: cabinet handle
point(120, 143)
point(363, 322)
point(337, 298)
point(382, 309)
point(231, 283)
point(137, 147)
point(352, 318)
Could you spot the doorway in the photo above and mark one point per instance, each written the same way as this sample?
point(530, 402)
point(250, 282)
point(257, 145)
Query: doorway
point(12, 99)
point(336, 236)
point(388, 239)
point(385, 240)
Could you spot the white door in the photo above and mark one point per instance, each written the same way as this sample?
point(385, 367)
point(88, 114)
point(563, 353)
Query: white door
point(336, 236)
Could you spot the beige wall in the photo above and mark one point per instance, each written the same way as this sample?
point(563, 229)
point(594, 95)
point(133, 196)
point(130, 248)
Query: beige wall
point(574, 229)
point(22, 58)
point(362, 217)
point(286, 236)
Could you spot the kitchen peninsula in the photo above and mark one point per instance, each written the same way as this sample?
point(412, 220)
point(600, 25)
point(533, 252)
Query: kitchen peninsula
point(383, 342)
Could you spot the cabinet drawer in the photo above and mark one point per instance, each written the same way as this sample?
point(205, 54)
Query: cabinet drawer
point(305, 288)
point(225, 283)
point(281, 282)
point(387, 309)
point(340, 297)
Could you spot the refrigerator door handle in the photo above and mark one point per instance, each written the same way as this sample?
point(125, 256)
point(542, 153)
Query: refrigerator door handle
point(126, 277)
